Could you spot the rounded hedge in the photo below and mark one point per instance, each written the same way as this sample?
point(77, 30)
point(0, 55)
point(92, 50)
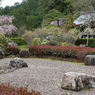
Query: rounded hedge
point(19, 41)
point(91, 42)
point(11, 50)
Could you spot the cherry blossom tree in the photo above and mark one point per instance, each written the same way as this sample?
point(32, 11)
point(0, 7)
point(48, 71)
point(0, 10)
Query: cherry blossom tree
point(6, 26)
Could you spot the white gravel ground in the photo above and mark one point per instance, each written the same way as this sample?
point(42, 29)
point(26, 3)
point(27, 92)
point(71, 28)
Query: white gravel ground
point(45, 76)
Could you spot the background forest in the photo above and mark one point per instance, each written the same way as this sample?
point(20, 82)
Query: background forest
point(31, 13)
point(32, 19)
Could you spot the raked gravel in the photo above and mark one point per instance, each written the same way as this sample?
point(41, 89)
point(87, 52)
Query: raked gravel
point(45, 76)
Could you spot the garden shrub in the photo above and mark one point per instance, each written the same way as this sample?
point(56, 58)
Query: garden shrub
point(91, 42)
point(64, 44)
point(40, 33)
point(35, 51)
point(53, 34)
point(10, 90)
point(68, 38)
point(52, 43)
point(29, 36)
point(44, 33)
point(36, 41)
point(11, 50)
point(3, 40)
point(51, 26)
point(19, 41)
point(73, 31)
point(44, 42)
point(46, 50)
point(80, 41)
point(24, 54)
point(61, 51)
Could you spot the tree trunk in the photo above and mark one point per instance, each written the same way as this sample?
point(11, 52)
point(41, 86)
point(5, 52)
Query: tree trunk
point(58, 23)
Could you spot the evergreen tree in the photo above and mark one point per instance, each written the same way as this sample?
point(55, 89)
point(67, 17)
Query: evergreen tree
point(53, 15)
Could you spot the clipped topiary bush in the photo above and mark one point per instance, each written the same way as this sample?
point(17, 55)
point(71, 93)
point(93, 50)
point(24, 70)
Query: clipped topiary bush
point(11, 50)
point(19, 41)
point(91, 42)
point(10, 90)
point(80, 41)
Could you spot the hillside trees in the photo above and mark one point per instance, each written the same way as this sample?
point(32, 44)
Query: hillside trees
point(32, 22)
point(27, 15)
point(83, 5)
point(43, 7)
point(51, 16)
point(6, 10)
point(20, 17)
point(32, 13)
point(64, 6)
point(33, 4)
point(16, 4)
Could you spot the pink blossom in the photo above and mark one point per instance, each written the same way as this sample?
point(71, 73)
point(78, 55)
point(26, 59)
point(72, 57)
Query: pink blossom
point(6, 26)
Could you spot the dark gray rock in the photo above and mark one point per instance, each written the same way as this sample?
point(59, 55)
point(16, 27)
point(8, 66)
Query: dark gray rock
point(17, 62)
point(90, 60)
point(12, 44)
point(1, 54)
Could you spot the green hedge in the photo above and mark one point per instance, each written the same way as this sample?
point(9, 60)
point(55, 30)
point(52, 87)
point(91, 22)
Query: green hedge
point(19, 41)
point(91, 42)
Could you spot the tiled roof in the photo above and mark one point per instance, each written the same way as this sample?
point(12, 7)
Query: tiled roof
point(85, 17)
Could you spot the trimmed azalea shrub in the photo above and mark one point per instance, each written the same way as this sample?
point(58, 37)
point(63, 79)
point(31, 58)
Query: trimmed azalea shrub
point(11, 50)
point(61, 51)
point(10, 90)
point(35, 51)
point(46, 50)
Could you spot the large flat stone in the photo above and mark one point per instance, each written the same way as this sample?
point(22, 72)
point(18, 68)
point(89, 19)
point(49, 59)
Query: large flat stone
point(77, 81)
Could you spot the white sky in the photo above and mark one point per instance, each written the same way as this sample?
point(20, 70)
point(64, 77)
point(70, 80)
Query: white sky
point(9, 2)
